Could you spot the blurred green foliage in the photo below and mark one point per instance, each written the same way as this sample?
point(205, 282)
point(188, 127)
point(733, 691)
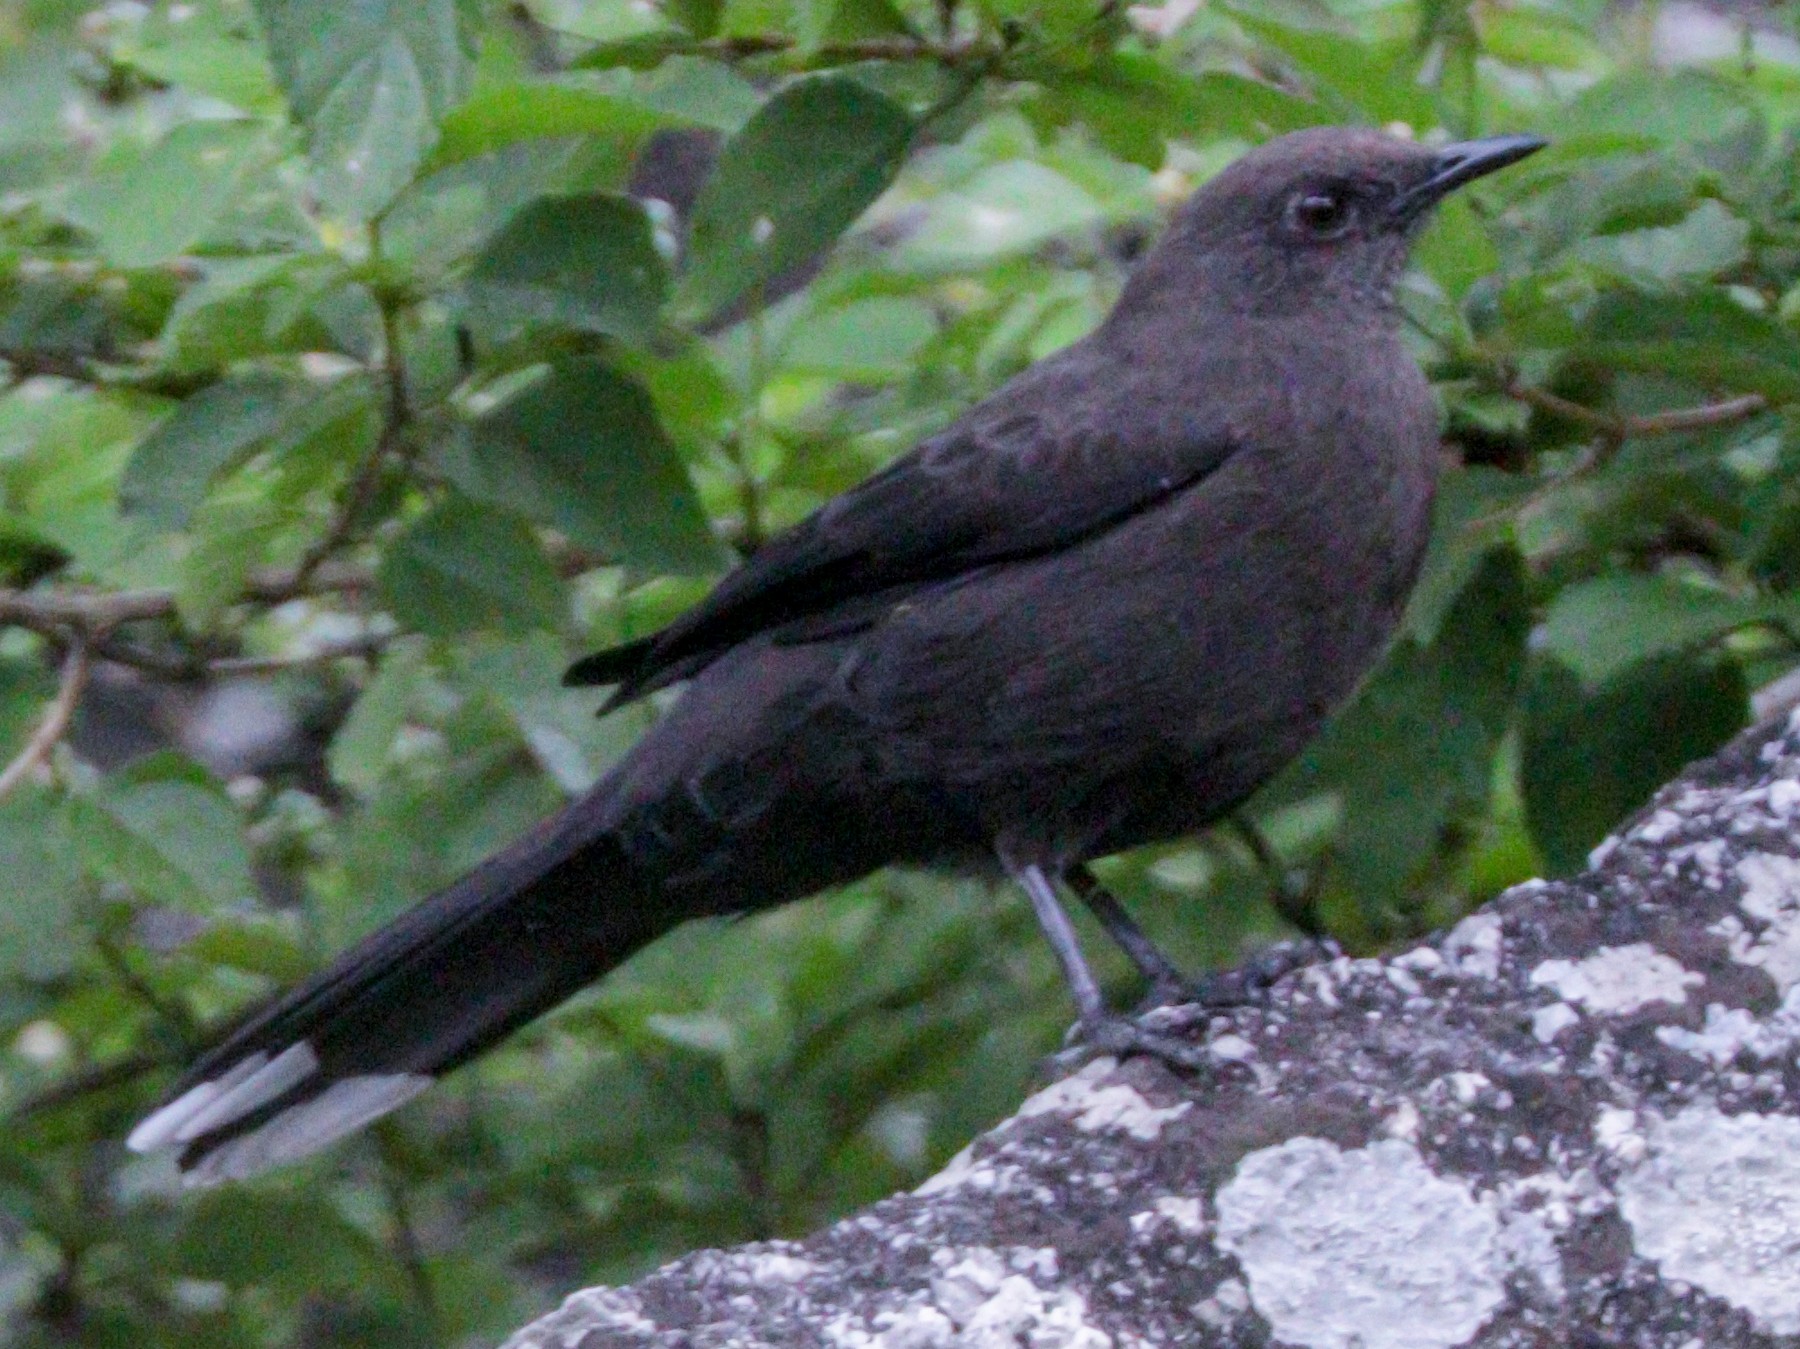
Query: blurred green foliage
point(387, 355)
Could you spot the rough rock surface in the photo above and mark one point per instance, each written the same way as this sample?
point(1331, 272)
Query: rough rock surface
point(1574, 1119)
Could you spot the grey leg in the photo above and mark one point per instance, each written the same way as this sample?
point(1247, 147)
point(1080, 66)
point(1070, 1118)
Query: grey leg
point(1100, 1031)
point(1165, 979)
point(1061, 934)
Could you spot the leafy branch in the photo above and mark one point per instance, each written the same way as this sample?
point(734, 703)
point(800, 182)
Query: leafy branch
point(1626, 426)
point(94, 615)
point(77, 667)
point(1613, 429)
point(26, 363)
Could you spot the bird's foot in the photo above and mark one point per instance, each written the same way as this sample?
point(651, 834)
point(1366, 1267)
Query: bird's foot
point(1248, 984)
point(1126, 1037)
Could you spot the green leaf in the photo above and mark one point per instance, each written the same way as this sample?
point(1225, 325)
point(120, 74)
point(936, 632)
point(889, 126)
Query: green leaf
point(851, 21)
point(498, 115)
point(465, 566)
point(1374, 77)
point(800, 172)
point(1656, 109)
point(370, 81)
point(162, 829)
point(37, 902)
point(1539, 37)
point(1000, 211)
point(255, 944)
point(207, 435)
point(582, 451)
point(866, 339)
point(1705, 336)
point(586, 263)
point(1134, 104)
point(1591, 755)
point(243, 1237)
point(359, 753)
point(706, 93)
point(1709, 242)
point(228, 539)
point(1455, 249)
point(1598, 628)
point(371, 135)
point(441, 219)
point(244, 307)
point(446, 807)
point(206, 52)
point(523, 677)
point(316, 45)
point(25, 686)
point(1472, 514)
point(171, 198)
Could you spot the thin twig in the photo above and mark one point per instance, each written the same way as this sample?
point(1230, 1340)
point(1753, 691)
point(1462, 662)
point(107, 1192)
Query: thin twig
point(75, 670)
point(952, 54)
point(95, 613)
point(1613, 429)
point(408, 1249)
point(368, 644)
point(1625, 426)
point(25, 363)
point(90, 1081)
point(171, 1014)
point(362, 488)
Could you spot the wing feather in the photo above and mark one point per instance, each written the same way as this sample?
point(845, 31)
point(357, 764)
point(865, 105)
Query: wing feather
point(1036, 469)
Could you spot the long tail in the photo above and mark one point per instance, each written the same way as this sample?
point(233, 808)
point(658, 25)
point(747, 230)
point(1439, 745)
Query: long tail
point(510, 940)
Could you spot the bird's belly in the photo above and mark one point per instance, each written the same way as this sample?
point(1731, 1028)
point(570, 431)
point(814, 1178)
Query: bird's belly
point(1139, 687)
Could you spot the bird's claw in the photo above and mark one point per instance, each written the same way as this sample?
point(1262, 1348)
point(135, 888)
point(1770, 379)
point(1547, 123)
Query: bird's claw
point(1248, 984)
point(1126, 1037)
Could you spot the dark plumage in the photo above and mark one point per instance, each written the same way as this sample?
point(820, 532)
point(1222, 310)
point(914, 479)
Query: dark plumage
point(1099, 610)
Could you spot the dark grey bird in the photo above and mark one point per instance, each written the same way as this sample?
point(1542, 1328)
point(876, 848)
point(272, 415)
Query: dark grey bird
point(1100, 610)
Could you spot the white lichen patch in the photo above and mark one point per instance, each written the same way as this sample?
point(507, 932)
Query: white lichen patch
point(1658, 827)
point(1421, 960)
point(976, 1299)
point(766, 1267)
point(989, 1303)
point(1549, 1022)
point(1180, 1213)
point(1403, 1122)
point(1347, 1249)
point(1617, 980)
point(1716, 1203)
point(1229, 1301)
point(1705, 860)
point(615, 1312)
point(1473, 946)
point(964, 1172)
point(1616, 1131)
point(1095, 1108)
point(1771, 899)
point(1731, 1031)
point(1231, 1048)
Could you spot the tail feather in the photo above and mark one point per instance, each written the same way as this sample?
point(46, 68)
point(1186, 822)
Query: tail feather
point(442, 983)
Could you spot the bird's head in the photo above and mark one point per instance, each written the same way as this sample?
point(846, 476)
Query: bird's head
point(1320, 219)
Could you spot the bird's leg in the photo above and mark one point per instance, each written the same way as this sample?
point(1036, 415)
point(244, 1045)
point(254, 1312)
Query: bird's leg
point(1089, 1005)
point(1100, 1030)
point(1167, 983)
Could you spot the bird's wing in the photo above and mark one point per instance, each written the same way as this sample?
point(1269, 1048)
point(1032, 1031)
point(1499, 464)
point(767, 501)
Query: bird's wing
point(989, 490)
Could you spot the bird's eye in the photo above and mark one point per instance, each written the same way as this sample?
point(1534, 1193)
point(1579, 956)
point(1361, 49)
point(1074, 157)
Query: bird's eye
point(1321, 215)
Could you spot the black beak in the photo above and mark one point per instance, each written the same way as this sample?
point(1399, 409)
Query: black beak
point(1463, 162)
